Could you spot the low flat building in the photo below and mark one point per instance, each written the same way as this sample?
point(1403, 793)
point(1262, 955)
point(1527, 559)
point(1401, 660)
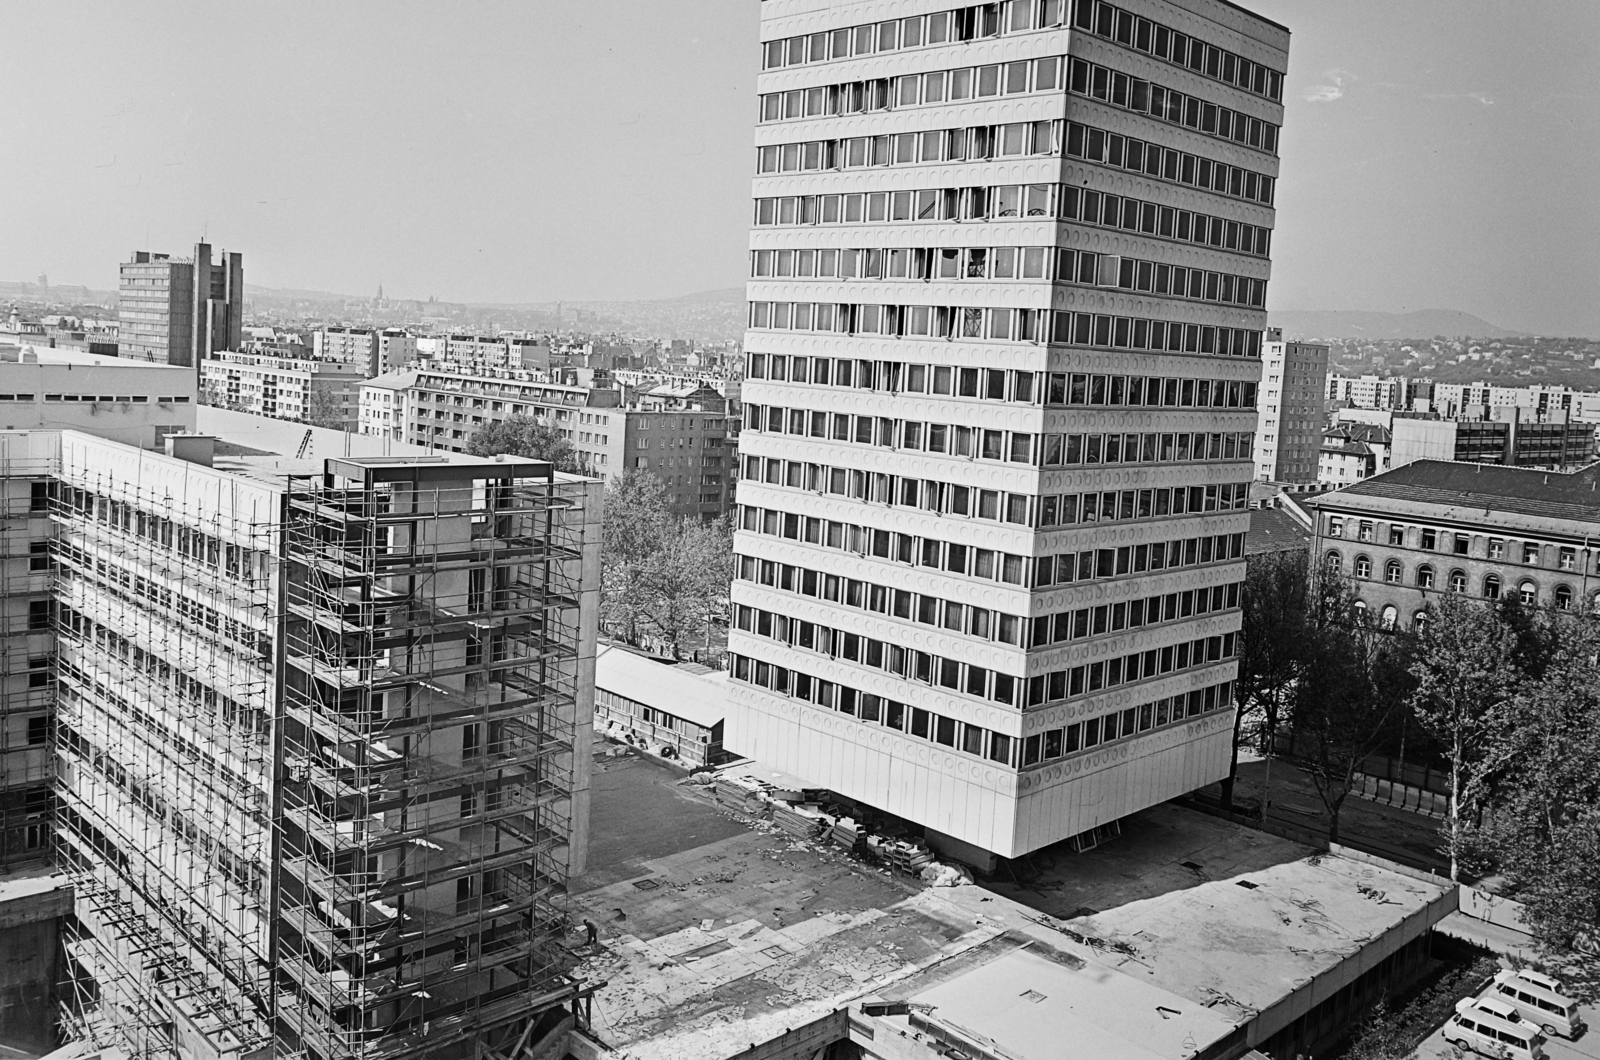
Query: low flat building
point(1502, 434)
point(1432, 527)
point(667, 709)
point(133, 402)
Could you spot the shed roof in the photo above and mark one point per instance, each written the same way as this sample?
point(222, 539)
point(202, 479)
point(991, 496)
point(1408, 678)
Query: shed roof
point(693, 697)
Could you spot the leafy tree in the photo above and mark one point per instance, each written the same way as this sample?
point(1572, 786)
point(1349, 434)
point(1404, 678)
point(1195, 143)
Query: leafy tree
point(1381, 1036)
point(1352, 685)
point(324, 407)
point(1465, 669)
point(525, 436)
point(634, 527)
point(1272, 650)
point(685, 583)
point(1541, 821)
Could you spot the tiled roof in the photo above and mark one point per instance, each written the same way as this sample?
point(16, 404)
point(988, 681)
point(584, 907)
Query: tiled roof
point(1524, 491)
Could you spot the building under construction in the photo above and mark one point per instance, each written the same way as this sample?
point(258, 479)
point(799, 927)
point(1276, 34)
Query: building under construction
point(320, 745)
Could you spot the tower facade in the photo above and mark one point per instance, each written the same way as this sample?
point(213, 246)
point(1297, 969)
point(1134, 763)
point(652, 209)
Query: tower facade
point(1008, 272)
point(1289, 435)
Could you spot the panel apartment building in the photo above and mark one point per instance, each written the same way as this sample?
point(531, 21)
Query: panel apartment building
point(179, 310)
point(320, 742)
point(1289, 431)
point(682, 435)
point(1008, 271)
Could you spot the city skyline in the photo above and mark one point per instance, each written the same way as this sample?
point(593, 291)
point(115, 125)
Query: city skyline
point(1393, 137)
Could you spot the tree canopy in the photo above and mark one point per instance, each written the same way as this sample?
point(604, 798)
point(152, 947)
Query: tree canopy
point(524, 436)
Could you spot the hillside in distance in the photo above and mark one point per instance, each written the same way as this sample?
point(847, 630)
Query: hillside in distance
point(1364, 324)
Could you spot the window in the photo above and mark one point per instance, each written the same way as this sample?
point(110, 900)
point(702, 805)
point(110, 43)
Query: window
point(1568, 559)
point(1491, 587)
point(38, 614)
point(1363, 567)
point(1335, 526)
point(1530, 554)
point(1391, 616)
point(1461, 541)
point(1332, 562)
point(1430, 539)
point(1497, 548)
point(38, 731)
point(1424, 577)
point(1419, 621)
point(1397, 535)
point(1391, 572)
point(1563, 598)
point(1528, 594)
point(1366, 531)
point(1458, 581)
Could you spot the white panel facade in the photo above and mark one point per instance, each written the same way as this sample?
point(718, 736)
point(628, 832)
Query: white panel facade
point(997, 447)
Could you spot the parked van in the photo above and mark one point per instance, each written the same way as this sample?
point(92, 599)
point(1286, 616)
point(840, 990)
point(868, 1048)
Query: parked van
point(1483, 1032)
point(1540, 1006)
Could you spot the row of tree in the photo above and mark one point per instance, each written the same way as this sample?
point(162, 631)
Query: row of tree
point(1507, 699)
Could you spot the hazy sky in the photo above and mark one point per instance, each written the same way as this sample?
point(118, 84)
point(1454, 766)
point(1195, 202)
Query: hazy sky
point(1437, 153)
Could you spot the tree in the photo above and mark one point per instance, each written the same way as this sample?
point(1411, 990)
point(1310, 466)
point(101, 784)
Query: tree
point(1381, 1036)
point(1271, 652)
point(1465, 671)
point(634, 528)
point(525, 436)
point(1540, 824)
point(685, 583)
point(325, 406)
point(1352, 684)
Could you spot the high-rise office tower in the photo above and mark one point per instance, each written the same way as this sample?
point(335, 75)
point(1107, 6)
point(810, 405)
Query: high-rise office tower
point(180, 310)
point(319, 753)
point(1289, 431)
point(1008, 272)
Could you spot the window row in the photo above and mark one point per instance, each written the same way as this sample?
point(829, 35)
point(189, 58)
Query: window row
point(1015, 325)
point(1119, 505)
point(910, 90)
point(1531, 553)
point(976, 143)
point(1074, 449)
point(1018, 200)
point(251, 567)
point(1103, 619)
point(1082, 735)
point(983, 563)
point(993, 384)
point(867, 651)
point(1492, 586)
point(1170, 105)
point(1060, 264)
point(1152, 38)
point(941, 27)
point(1167, 163)
point(974, 740)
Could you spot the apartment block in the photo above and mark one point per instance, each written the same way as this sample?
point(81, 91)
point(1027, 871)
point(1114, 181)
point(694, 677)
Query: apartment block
point(347, 346)
point(1368, 391)
point(1008, 270)
point(320, 747)
point(1289, 430)
point(179, 310)
point(326, 393)
point(1539, 402)
point(679, 434)
point(1434, 527)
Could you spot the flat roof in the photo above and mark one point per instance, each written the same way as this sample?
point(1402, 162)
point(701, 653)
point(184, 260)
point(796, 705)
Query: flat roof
point(700, 698)
point(1474, 487)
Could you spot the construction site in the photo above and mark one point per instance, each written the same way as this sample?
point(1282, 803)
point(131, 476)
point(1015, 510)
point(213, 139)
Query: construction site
point(319, 756)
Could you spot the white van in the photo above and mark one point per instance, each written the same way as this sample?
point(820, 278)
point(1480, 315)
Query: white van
point(1483, 1032)
point(1535, 1003)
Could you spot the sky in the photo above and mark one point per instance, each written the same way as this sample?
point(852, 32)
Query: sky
point(1436, 153)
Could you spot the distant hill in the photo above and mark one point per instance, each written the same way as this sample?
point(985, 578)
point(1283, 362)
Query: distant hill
point(1360, 324)
point(726, 294)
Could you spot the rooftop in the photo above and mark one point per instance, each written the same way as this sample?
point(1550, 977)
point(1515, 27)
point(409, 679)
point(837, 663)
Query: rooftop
point(1275, 530)
point(693, 697)
point(1484, 488)
point(718, 929)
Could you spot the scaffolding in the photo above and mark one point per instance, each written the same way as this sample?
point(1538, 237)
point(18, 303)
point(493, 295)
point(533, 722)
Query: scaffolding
point(26, 685)
point(163, 625)
point(428, 729)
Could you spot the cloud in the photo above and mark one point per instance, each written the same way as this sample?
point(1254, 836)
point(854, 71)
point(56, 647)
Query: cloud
point(1476, 97)
point(1331, 91)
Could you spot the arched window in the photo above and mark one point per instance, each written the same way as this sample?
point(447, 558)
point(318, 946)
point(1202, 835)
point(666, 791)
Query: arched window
point(1424, 577)
point(1363, 567)
point(1391, 572)
point(1419, 621)
point(1491, 587)
point(1332, 561)
point(1458, 581)
point(1563, 598)
point(1359, 610)
point(1391, 615)
point(1528, 594)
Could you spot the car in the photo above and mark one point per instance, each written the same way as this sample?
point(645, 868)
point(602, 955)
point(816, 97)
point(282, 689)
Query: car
point(1544, 1008)
point(1482, 1031)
